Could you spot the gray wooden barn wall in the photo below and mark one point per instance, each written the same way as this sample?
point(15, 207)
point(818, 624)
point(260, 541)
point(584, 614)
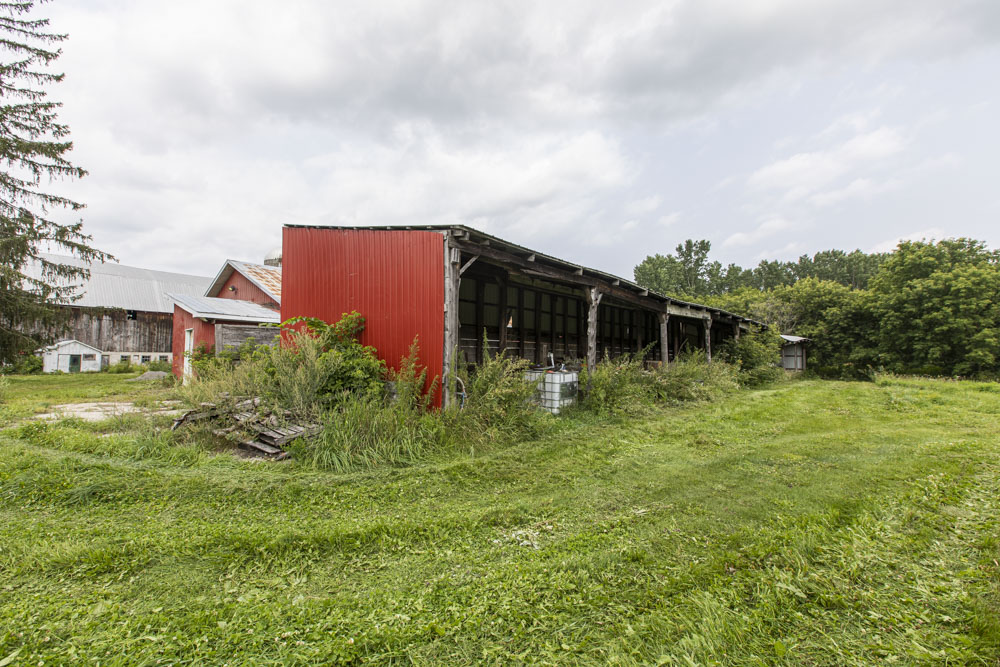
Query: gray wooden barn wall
point(234, 335)
point(111, 330)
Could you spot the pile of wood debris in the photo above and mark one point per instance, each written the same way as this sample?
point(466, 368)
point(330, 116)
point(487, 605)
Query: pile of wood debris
point(258, 430)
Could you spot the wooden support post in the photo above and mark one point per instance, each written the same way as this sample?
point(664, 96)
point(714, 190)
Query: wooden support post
point(664, 338)
point(593, 301)
point(708, 338)
point(736, 329)
point(503, 316)
point(452, 281)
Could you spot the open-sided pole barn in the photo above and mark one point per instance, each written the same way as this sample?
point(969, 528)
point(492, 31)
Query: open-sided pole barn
point(447, 285)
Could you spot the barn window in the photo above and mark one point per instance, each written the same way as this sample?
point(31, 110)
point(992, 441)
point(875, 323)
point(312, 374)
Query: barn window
point(90, 357)
point(130, 314)
point(163, 357)
point(146, 358)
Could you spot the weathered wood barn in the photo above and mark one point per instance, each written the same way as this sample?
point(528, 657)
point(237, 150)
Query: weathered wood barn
point(240, 298)
point(124, 311)
point(446, 285)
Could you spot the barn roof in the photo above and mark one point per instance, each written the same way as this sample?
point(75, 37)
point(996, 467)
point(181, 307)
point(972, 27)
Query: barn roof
point(112, 285)
point(791, 340)
point(488, 240)
point(70, 341)
point(232, 310)
point(267, 278)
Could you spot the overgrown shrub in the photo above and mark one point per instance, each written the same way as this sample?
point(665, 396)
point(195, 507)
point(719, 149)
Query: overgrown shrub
point(367, 431)
point(123, 366)
point(158, 366)
point(691, 377)
point(26, 364)
point(756, 356)
point(616, 387)
point(312, 371)
point(499, 407)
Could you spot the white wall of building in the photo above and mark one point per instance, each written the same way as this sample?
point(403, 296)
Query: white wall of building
point(66, 355)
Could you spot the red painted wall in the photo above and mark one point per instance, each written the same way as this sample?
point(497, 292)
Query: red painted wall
point(395, 279)
point(204, 333)
point(245, 291)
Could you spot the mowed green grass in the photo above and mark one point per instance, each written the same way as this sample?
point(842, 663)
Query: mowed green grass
point(813, 522)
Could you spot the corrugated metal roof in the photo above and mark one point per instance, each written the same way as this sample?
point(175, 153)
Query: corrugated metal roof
point(118, 286)
point(267, 278)
point(212, 308)
point(477, 236)
point(67, 342)
point(795, 339)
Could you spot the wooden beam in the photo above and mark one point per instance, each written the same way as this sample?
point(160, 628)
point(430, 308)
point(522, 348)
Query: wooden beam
point(664, 338)
point(532, 268)
point(708, 338)
point(593, 301)
point(452, 280)
point(502, 315)
point(465, 267)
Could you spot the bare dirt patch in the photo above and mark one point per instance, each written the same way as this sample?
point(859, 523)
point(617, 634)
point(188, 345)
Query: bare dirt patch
point(93, 412)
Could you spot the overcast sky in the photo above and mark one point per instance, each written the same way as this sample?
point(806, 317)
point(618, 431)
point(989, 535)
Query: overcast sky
point(598, 132)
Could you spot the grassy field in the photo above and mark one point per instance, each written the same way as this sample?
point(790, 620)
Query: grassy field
point(818, 523)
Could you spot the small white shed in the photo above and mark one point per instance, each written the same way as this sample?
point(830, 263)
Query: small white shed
point(70, 356)
point(793, 353)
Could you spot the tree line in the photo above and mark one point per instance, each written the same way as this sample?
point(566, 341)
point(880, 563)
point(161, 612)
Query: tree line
point(927, 307)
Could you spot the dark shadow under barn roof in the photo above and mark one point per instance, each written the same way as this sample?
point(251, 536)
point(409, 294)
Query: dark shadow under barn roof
point(474, 236)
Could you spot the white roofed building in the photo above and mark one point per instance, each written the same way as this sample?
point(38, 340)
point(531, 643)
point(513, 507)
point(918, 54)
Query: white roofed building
point(123, 311)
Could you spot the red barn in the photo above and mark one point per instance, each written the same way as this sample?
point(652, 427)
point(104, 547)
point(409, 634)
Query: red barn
point(448, 286)
point(240, 298)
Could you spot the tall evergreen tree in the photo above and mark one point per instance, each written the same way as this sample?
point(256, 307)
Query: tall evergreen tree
point(33, 148)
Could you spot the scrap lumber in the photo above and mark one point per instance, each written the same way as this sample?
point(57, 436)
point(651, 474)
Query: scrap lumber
point(208, 410)
point(271, 431)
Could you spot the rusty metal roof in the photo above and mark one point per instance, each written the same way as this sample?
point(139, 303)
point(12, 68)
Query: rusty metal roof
point(267, 278)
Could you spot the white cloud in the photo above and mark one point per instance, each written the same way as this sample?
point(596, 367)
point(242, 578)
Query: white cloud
point(644, 205)
point(860, 188)
point(764, 230)
point(804, 174)
point(534, 120)
point(932, 233)
point(669, 219)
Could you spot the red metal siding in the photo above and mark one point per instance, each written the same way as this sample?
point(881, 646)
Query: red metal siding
point(395, 279)
point(204, 334)
point(245, 291)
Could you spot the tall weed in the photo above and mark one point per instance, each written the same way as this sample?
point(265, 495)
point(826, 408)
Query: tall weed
point(616, 387)
point(499, 407)
point(692, 378)
point(365, 432)
point(756, 356)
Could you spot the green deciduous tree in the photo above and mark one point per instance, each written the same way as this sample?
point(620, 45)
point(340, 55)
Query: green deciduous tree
point(938, 306)
point(33, 148)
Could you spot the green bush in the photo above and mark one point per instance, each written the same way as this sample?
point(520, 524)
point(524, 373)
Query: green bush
point(756, 356)
point(123, 366)
point(692, 378)
point(616, 387)
point(499, 407)
point(312, 371)
point(158, 366)
point(27, 364)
